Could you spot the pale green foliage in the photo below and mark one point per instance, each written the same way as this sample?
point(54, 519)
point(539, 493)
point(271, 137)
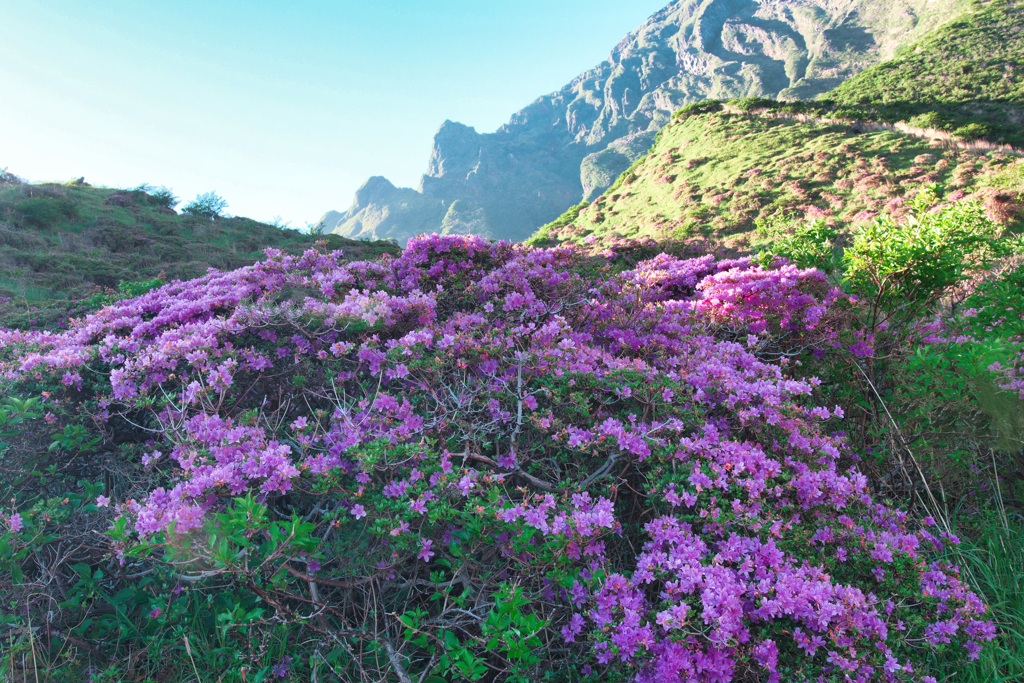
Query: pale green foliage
point(913, 262)
point(164, 196)
point(807, 244)
point(318, 228)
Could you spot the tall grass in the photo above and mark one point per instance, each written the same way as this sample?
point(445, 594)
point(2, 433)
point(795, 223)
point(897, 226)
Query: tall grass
point(991, 555)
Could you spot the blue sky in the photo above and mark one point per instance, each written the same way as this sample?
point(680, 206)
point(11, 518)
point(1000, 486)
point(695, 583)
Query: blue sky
point(283, 108)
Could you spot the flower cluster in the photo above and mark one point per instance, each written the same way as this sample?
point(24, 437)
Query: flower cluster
point(1011, 376)
point(677, 505)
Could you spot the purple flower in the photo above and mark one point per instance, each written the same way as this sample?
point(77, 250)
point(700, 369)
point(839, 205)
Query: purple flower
point(15, 522)
point(425, 552)
point(573, 628)
point(282, 668)
point(692, 402)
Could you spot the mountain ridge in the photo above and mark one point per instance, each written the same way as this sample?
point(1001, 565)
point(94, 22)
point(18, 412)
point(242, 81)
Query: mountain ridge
point(570, 145)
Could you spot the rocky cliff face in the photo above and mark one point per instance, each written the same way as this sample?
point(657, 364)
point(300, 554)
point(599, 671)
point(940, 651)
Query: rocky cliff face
point(572, 144)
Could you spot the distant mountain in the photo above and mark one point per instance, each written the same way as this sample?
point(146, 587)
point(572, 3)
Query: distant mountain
point(571, 145)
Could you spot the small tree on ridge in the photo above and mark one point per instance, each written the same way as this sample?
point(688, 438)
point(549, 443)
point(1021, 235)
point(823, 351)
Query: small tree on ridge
point(208, 205)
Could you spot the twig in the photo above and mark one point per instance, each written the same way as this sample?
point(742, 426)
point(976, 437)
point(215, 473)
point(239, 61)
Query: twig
point(188, 651)
point(937, 509)
point(601, 471)
point(539, 483)
point(396, 662)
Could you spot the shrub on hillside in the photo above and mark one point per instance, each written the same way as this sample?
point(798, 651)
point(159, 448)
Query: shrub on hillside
point(806, 243)
point(161, 196)
point(930, 348)
point(208, 205)
point(908, 264)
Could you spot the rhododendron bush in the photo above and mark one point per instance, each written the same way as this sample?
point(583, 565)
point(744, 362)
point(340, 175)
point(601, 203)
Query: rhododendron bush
point(485, 461)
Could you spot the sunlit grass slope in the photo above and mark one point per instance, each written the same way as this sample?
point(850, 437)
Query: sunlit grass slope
point(716, 170)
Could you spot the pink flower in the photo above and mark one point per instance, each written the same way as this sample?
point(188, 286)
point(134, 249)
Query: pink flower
point(102, 501)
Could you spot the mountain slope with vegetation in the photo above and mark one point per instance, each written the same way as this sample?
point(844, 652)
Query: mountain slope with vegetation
point(966, 78)
point(571, 145)
point(63, 243)
point(717, 169)
point(621, 452)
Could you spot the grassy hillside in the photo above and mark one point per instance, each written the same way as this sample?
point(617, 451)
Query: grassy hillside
point(60, 244)
point(715, 170)
point(965, 78)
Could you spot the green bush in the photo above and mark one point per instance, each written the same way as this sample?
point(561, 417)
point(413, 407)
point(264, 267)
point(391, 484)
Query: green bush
point(807, 244)
point(909, 265)
point(703, 107)
point(974, 131)
point(208, 205)
point(44, 212)
point(931, 119)
point(748, 104)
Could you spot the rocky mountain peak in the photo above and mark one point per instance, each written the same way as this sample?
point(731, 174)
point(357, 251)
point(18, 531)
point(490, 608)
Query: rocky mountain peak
point(456, 151)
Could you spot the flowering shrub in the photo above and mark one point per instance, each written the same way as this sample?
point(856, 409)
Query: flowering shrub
point(484, 460)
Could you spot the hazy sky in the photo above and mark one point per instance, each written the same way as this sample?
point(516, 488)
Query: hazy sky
point(283, 108)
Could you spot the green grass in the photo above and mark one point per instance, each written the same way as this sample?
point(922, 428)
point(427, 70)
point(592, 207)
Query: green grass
point(714, 171)
point(991, 555)
point(61, 244)
point(965, 78)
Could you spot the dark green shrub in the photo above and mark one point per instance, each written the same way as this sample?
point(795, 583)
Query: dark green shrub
point(974, 131)
point(931, 119)
point(754, 103)
point(704, 107)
